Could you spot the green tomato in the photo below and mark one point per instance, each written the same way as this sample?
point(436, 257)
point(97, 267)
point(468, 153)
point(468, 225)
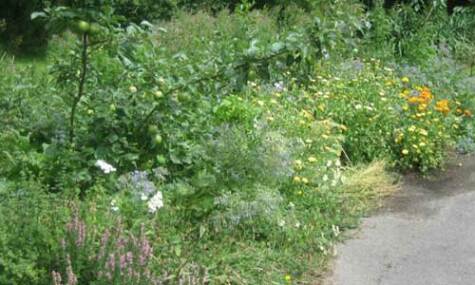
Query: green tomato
point(158, 139)
point(161, 159)
point(94, 29)
point(252, 76)
point(83, 26)
point(152, 130)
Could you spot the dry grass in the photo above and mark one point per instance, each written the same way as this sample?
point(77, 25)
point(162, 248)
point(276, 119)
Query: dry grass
point(370, 183)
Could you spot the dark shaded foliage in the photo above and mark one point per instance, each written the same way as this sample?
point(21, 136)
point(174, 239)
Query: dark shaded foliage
point(451, 4)
point(20, 33)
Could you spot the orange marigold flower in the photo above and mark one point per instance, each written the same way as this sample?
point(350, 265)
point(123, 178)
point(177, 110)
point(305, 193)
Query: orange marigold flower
point(467, 113)
point(426, 95)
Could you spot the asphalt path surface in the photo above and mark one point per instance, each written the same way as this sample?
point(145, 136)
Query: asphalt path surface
point(424, 235)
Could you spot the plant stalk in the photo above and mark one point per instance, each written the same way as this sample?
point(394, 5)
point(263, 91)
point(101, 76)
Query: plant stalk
point(80, 94)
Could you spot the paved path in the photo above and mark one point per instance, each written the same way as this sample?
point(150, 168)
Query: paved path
point(425, 235)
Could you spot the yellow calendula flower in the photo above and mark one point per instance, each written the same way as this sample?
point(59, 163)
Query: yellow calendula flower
point(405, 79)
point(422, 107)
point(405, 152)
point(304, 180)
point(442, 106)
point(412, 128)
point(297, 179)
point(413, 100)
point(422, 144)
point(423, 132)
point(312, 159)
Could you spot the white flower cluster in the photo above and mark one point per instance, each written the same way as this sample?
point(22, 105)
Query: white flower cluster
point(105, 167)
point(155, 203)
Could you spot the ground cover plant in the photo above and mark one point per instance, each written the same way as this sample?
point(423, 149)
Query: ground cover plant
point(231, 147)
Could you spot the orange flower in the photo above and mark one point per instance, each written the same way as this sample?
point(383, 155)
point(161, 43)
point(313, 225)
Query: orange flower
point(426, 95)
point(467, 113)
point(443, 106)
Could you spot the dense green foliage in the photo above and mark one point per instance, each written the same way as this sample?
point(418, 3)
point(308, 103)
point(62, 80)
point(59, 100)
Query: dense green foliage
point(219, 148)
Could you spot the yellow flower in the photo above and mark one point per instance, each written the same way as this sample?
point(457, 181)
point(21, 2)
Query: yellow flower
point(442, 106)
point(423, 132)
point(297, 179)
point(405, 152)
point(412, 128)
point(399, 138)
point(405, 93)
point(422, 107)
point(260, 103)
point(312, 159)
point(288, 278)
point(304, 180)
point(413, 100)
point(405, 79)
point(422, 144)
